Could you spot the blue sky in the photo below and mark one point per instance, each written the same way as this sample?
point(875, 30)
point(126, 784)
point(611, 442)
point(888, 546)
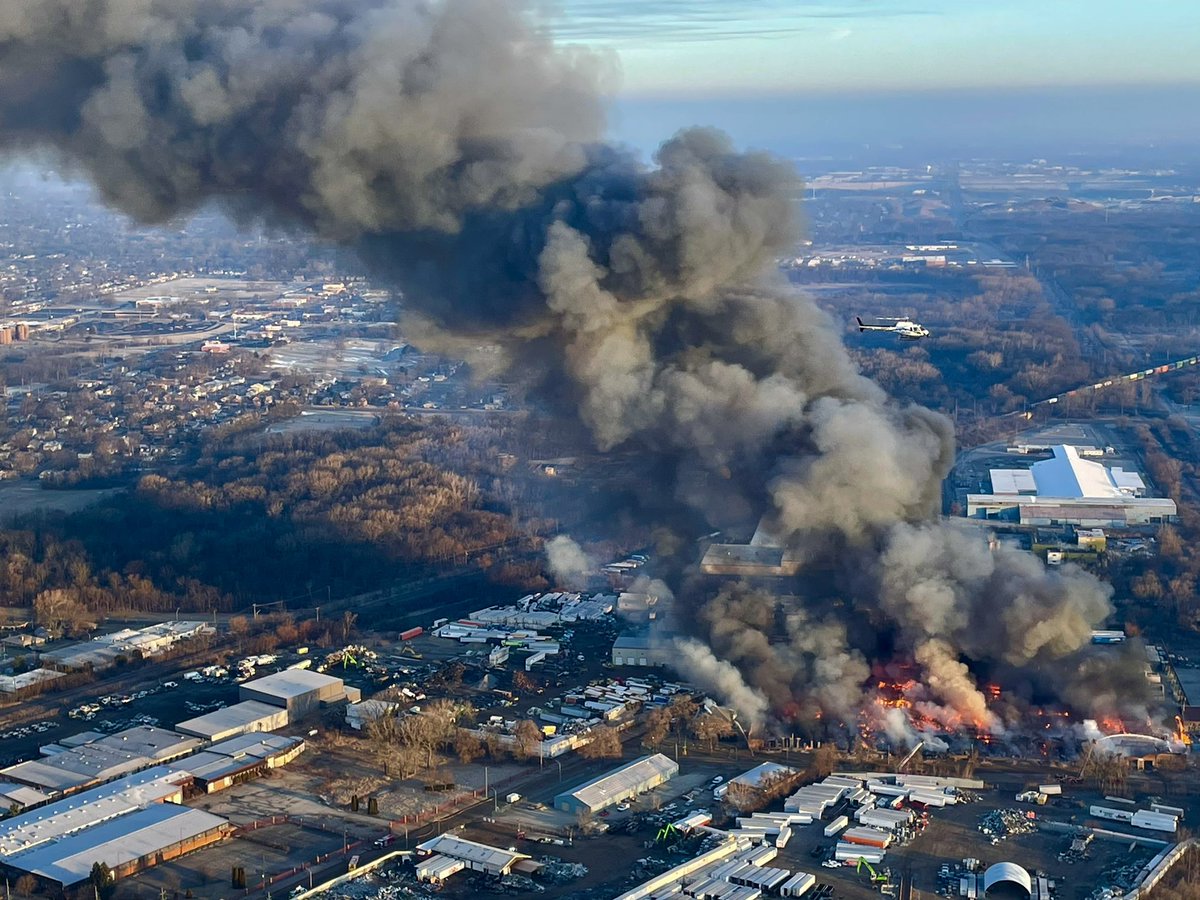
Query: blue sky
point(707, 47)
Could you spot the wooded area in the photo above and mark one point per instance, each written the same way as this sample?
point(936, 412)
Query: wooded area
point(258, 519)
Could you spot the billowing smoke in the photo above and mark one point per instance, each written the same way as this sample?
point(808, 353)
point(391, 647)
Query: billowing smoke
point(458, 151)
point(721, 678)
point(568, 562)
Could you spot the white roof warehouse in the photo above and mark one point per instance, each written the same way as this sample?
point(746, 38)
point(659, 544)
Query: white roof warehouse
point(618, 785)
point(1070, 490)
point(127, 845)
point(129, 824)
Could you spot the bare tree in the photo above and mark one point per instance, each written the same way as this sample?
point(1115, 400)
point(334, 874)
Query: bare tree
point(58, 611)
point(658, 726)
point(711, 727)
point(349, 619)
point(528, 737)
point(467, 746)
point(605, 744)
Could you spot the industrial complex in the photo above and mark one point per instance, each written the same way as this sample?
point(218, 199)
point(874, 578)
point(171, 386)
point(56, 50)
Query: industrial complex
point(1068, 489)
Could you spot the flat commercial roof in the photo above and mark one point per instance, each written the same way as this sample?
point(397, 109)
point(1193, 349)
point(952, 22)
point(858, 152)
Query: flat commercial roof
point(20, 794)
point(148, 741)
point(239, 715)
point(141, 833)
point(117, 754)
point(1013, 481)
point(1067, 476)
point(291, 683)
point(631, 776)
point(489, 857)
point(109, 801)
point(257, 744)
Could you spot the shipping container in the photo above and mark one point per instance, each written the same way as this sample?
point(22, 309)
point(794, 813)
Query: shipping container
point(1167, 810)
point(1154, 821)
point(853, 852)
point(1113, 815)
point(798, 885)
point(836, 825)
point(412, 633)
point(867, 837)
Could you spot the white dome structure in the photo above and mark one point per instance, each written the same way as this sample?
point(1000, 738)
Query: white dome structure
point(1007, 880)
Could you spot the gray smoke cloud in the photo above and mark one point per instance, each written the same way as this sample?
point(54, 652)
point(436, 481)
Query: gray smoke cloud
point(722, 678)
point(458, 151)
point(568, 562)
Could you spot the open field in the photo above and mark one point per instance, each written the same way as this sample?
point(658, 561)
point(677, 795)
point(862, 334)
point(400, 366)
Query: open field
point(23, 497)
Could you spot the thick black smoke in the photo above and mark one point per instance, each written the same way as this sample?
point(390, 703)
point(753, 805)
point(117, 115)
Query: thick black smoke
point(458, 151)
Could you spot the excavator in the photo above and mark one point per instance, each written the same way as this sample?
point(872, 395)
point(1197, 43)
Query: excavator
point(876, 877)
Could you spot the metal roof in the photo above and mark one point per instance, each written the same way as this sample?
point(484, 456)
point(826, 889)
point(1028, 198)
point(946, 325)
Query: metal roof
point(239, 715)
point(21, 794)
point(146, 740)
point(256, 744)
point(471, 852)
point(1067, 475)
point(760, 773)
point(630, 777)
point(1007, 873)
point(141, 833)
point(291, 683)
point(1013, 481)
point(109, 801)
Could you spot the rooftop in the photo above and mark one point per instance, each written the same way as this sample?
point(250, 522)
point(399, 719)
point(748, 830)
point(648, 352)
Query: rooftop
point(764, 772)
point(236, 716)
point(471, 852)
point(630, 776)
point(1068, 476)
point(108, 801)
point(142, 833)
point(291, 683)
point(257, 744)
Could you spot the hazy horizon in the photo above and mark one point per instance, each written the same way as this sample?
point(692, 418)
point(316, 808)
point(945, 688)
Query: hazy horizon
point(1105, 122)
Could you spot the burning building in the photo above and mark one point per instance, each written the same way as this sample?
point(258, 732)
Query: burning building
point(459, 152)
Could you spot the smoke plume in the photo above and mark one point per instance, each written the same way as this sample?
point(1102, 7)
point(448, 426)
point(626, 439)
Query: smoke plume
point(458, 151)
point(568, 562)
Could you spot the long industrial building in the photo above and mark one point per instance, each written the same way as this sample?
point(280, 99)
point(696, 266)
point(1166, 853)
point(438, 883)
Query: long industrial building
point(240, 718)
point(619, 785)
point(239, 759)
point(128, 824)
point(1070, 490)
point(92, 758)
point(127, 845)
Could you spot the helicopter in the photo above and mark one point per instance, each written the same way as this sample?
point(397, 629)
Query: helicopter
point(905, 329)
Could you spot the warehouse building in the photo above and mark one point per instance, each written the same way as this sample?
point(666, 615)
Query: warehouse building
point(108, 802)
point(19, 796)
point(127, 845)
point(472, 855)
point(239, 759)
point(241, 718)
point(643, 650)
point(65, 769)
point(1070, 490)
point(104, 651)
point(299, 691)
point(618, 786)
